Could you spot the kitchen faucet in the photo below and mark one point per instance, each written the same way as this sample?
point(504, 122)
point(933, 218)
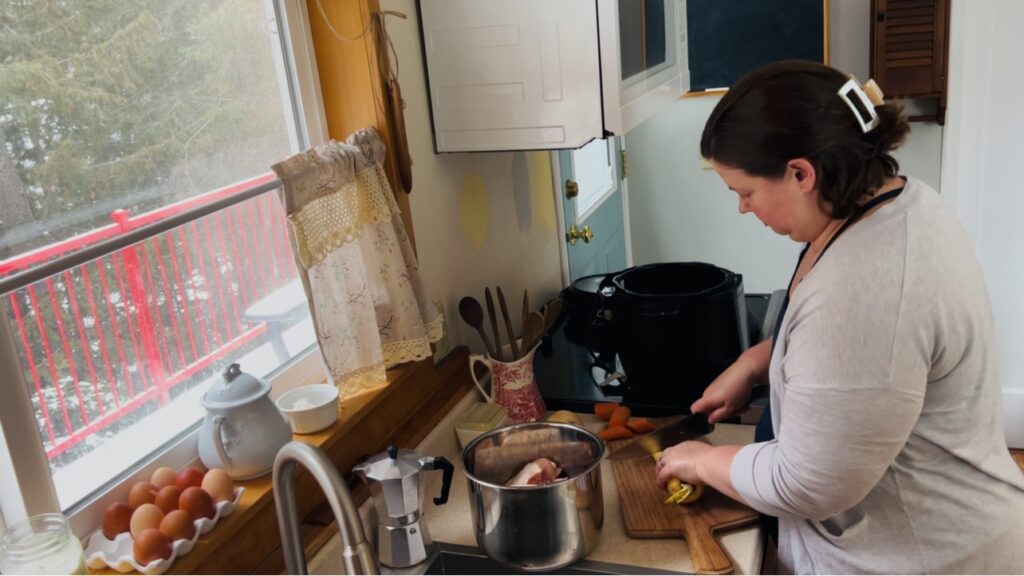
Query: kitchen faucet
point(357, 556)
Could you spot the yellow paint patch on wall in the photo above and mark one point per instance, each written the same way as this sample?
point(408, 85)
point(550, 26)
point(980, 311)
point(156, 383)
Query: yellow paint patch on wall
point(539, 165)
point(474, 209)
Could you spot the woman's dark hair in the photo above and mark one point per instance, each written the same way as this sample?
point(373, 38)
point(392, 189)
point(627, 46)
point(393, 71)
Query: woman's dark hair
point(792, 109)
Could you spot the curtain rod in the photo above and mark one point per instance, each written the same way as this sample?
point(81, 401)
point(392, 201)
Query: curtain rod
point(28, 277)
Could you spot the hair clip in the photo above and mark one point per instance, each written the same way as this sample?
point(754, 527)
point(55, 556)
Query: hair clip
point(863, 108)
point(874, 92)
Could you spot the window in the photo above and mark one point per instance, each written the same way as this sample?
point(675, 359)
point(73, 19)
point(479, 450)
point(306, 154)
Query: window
point(115, 116)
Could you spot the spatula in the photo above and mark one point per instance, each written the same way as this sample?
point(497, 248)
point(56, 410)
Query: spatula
point(494, 324)
point(552, 310)
point(508, 323)
point(526, 308)
point(533, 329)
point(473, 314)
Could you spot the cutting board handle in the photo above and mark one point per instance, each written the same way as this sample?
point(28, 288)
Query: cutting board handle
point(707, 554)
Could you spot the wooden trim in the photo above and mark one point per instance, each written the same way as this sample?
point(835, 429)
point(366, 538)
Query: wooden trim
point(402, 413)
point(354, 93)
point(826, 53)
point(708, 92)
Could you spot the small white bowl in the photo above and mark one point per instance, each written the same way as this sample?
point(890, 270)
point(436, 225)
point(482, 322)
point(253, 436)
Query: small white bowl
point(310, 408)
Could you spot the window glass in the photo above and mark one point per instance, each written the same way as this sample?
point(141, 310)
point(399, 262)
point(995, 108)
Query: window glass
point(595, 174)
point(113, 115)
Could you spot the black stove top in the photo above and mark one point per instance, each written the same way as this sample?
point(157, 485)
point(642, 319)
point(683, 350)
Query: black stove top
point(569, 379)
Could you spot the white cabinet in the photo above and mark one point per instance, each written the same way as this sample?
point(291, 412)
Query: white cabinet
point(548, 74)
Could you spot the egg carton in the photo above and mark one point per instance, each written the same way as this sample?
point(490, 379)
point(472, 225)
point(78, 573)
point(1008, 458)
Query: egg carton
point(101, 552)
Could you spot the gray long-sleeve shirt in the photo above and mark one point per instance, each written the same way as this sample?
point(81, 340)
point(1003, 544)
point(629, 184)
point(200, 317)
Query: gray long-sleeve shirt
point(889, 453)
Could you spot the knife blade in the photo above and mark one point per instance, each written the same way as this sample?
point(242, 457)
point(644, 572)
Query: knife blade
point(675, 430)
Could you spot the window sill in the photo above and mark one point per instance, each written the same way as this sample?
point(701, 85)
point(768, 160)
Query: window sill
point(417, 396)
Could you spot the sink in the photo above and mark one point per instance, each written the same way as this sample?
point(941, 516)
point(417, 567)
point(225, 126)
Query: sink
point(458, 559)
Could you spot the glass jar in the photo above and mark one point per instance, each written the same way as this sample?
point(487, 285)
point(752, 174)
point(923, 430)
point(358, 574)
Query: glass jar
point(42, 544)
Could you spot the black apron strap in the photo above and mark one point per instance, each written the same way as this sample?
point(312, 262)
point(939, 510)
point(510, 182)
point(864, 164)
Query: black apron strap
point(764, 431)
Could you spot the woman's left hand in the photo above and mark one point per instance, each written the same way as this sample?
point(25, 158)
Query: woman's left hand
point(680, 461)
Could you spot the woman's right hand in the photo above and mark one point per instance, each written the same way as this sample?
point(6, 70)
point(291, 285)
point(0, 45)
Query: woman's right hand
point(730, 392)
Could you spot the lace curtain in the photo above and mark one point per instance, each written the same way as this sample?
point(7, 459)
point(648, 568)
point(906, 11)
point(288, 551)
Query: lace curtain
point(356, 262)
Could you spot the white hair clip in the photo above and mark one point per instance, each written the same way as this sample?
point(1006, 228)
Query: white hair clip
point(864, 107)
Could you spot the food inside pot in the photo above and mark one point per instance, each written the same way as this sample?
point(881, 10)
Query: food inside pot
point(501, 457)
point(539, 472)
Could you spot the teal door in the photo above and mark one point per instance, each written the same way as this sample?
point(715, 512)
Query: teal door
point(592, 200)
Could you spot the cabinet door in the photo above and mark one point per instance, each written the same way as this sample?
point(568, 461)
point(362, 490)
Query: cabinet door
point(516, 75)
point(908, 49)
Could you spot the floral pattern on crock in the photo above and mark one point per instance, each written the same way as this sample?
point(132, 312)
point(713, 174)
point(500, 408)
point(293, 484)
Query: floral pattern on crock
point(356, 262)
point(515, 388)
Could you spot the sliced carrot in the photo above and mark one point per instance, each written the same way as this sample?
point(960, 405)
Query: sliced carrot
point(615, 433)
point(640, 425)
point(604, 410)
point(619, 417)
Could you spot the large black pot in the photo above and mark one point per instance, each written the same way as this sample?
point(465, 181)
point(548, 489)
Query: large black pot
point(675, 327)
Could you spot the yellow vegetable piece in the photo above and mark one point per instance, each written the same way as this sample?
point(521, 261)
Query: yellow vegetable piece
point(680, 493)
point(695, 495)
point(566, 417)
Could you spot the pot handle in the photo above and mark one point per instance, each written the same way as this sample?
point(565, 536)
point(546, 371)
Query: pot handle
point(473, 359)
point(218, 444)
point(600, 335)
point(442, 463)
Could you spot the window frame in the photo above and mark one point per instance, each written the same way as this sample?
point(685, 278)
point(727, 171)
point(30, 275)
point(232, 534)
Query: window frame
point(21, 450)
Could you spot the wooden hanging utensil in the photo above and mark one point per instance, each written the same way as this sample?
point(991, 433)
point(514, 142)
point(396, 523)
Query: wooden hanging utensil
point(397, 106)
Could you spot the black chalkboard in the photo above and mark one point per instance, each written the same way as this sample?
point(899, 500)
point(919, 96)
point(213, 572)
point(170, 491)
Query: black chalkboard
point(728, 38)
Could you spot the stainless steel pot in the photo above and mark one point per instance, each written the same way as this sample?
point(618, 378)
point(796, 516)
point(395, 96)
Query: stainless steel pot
point(536, 528)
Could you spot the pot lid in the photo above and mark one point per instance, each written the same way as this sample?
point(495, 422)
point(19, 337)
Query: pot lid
point(392, 464)
point(235, 389)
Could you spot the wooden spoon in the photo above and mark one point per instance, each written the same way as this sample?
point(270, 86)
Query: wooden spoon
point(473, 314)
point(494, 324)
point(508, 323)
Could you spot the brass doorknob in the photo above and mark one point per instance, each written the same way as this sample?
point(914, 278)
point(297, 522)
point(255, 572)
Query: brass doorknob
point(572, 189)
point(574, 234)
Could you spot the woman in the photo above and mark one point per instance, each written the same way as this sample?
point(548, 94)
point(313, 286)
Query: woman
point(889, 453)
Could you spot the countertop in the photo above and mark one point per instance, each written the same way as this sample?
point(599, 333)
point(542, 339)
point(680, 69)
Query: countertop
point(452, 522)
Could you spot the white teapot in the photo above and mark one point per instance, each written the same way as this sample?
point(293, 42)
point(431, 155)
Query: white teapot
point(243, 429)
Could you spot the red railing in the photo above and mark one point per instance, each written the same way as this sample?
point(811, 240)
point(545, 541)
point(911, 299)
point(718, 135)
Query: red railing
point(118, 335)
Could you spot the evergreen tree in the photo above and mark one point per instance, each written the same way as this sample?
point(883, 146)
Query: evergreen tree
point(110, 104)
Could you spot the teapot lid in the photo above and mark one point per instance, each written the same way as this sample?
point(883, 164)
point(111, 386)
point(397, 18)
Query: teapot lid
point(392, 464)
point(237, 388)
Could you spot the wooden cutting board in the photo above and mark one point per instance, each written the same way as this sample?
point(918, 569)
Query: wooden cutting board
point(646, 515)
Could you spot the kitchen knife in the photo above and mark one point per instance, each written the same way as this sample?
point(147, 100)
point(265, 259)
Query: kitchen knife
point(675, 430)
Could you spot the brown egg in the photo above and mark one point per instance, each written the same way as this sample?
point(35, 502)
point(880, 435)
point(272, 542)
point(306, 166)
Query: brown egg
point(197, 502)
point(151, 545)
point(167, 498)
point(163, 476)
point(145, 517)
point(218, 484)
point(141, 493)
point(188, 477)
point(116, 519)
point(178, 525)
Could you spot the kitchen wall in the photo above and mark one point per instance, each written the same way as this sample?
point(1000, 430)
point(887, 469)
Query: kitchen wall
point(480, 219)
point(680, 211)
